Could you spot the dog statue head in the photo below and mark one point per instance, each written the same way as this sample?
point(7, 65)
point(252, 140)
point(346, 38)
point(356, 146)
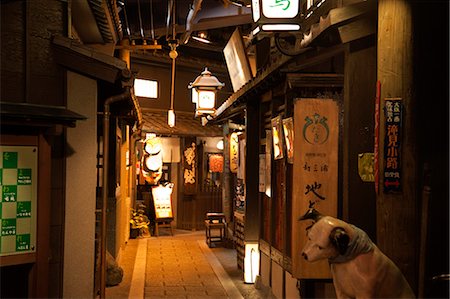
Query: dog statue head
point(328, 237)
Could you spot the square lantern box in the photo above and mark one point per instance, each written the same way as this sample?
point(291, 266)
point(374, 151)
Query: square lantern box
point(204, 89)
point(275, 15)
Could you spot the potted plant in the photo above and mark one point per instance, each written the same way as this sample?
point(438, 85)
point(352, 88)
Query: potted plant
point(139, 222)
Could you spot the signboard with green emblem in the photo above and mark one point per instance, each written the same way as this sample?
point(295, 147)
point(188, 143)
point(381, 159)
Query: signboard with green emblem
point(18, 197)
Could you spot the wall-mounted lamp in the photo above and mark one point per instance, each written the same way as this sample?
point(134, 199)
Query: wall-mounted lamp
point(204, 89)
point(275, 15)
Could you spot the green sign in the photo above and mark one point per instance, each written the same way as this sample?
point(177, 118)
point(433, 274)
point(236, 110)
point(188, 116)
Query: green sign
point(9, 159)
point(24, 176)
point(23, 242)
point(18, 187)
point(8, 227)
point(23, 209)
point(9, 193)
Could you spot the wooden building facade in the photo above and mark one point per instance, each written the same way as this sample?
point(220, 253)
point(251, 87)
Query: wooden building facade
point(350, 58)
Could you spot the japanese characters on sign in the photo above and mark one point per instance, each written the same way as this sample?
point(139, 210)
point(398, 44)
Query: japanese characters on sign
point(280, 8)
point(18, 184)
point(277, 135)
point(162, 200)
point(392, 145)
point(234, 152)
point(315, 172)
point(189, 165)
point(288, 130)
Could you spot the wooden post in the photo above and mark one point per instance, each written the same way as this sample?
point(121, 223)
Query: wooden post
point(251, 230)
point(397, 223)
point(125, 52)
point(226, 177)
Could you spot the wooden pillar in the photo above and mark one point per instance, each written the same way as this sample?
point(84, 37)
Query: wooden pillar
point(251, 231)
point(397, 217)
point(226, 176)
point(125, 53)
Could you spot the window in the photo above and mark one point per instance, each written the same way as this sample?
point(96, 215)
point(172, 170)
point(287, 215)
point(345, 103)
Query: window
point(146, 88)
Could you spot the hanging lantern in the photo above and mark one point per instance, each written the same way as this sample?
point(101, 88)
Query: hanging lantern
point(275, 15)
point(204, 89)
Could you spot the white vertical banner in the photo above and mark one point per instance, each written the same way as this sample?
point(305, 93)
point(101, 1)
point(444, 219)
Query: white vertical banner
point(262, 172)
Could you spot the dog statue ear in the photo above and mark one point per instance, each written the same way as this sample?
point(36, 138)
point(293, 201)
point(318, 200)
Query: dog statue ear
point(311, 214)
point(340, 239)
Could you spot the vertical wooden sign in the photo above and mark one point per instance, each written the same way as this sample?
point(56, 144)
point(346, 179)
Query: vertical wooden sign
point(234, 152)
point(277, 138)
point(288, 131)
point(189, 166)
point(315, 174)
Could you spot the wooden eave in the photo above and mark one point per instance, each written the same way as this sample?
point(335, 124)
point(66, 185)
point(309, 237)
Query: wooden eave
point(99, 66)
point(87, 61)
point(37, 115)
point(186, 124)
point(301, 80)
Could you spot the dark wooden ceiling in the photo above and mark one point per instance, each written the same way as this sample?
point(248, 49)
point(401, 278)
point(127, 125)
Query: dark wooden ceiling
point(181, 21)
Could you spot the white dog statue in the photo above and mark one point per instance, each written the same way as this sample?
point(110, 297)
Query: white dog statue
point(359, 269)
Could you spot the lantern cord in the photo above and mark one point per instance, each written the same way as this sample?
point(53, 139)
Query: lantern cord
point(126, 21)
point(151, 20)
point(140, 19)
point(173, 48)
point(172, 90)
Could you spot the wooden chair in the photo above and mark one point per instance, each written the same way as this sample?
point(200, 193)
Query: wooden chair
point(215, 222)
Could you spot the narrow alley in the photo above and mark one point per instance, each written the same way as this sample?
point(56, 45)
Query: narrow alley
point(262, 121)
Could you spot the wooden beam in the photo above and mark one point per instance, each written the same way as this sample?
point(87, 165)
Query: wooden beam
point(139, 47)
point(358, 29)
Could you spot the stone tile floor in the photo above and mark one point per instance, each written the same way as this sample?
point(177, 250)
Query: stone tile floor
point(181, 266)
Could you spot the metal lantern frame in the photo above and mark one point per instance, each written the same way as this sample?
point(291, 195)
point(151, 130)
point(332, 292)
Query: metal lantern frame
point(204, 90)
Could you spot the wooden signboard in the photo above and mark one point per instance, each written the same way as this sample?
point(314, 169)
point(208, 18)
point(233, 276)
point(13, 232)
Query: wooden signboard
point(162, 200)
point(288, 131)
point(277, 136)
point(315, 175)
point(189, 166)
point(237, 61)
point(234, 152)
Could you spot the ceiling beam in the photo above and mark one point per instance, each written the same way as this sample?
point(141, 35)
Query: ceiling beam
point(195, 7)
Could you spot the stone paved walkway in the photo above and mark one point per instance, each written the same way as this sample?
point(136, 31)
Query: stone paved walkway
point(177, 268)
point(180, 266)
